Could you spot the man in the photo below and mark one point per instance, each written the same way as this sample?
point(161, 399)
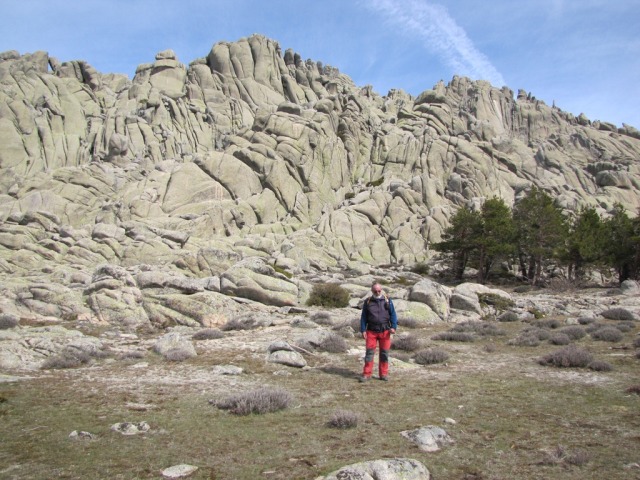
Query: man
point(377, 323)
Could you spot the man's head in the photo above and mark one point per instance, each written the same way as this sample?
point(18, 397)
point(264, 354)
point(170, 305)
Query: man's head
point(376, 289)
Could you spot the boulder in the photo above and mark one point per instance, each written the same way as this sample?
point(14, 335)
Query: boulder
point(428, 439)
point(436, 296)
point(391, 469)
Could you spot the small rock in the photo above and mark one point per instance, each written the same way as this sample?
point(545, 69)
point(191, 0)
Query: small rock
point(428, 439)
point(128, 428)
point(227, 370)
point(179, 471)
point(450, 421)
point(76, 435)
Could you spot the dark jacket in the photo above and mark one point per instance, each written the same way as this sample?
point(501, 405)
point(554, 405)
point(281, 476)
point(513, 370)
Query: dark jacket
point(376, 312)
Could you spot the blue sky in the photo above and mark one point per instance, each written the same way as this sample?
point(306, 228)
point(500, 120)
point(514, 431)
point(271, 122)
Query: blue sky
point(584, 55)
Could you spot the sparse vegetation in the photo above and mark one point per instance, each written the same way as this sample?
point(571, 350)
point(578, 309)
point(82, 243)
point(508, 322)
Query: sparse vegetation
point(68, 358)
point(574, 332)
point(567, 357)
point(430, 356)
point(344, 419)
point(208, 334)
point(328, 295)
point(508, 316)
point(333, 343)
point(408, 322)
point(420, 269)
point(625, 327)
point(586, 320)
point(618, 314)
point(600, 366)
point(607, 334)
point(484, 329)
point(636, 342)
point(634, 389)
point(259, 401)
point(132, 355)
point(560, 455)
point(178, 355)
point(526, 339)
point(405, 342)
point(322, 318)
point(454, 337)
point(498, 302)
point(559, 338)
point(244, 322)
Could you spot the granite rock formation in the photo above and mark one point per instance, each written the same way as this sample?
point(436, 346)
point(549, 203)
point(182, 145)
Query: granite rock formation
point(154, 201)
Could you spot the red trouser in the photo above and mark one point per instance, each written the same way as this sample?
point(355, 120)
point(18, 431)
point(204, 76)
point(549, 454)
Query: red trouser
point(385, 345)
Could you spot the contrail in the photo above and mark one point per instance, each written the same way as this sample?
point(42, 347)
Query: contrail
point(440, 34)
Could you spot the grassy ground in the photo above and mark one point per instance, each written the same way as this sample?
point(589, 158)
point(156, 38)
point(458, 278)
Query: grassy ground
point(513, 416)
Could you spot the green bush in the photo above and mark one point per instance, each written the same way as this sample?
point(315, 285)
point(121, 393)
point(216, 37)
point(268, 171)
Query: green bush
point(420, 269)
point(328, 295)
point(376, 183)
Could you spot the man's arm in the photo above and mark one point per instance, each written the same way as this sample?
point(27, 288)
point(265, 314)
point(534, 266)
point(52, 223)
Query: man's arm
point(394, 317)
point(363, 320)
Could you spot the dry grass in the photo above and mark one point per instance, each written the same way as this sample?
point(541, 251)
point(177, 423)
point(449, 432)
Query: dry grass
point(259, 401)
point(509, 411)
point(344, 419)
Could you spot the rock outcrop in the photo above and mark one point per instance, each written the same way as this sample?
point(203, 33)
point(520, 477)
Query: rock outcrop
point(237, 172)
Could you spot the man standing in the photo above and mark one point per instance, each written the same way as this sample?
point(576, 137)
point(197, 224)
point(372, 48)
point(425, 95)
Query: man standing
point(377, 322)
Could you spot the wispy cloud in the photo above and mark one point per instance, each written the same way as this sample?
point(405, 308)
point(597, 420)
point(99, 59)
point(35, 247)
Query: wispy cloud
point(440, 34)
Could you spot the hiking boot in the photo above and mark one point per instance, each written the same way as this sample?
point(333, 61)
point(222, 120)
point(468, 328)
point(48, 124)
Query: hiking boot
point(363, 379)
point(384, 378)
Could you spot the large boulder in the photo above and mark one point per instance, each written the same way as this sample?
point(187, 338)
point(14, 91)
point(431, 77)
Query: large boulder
point(391, 469)
point(435, 295)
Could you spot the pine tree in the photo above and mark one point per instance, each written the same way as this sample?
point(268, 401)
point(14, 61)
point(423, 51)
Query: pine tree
point(586, 243)
point(460, 238)
point(621, 247)
point(497, 237)
point(542, 230)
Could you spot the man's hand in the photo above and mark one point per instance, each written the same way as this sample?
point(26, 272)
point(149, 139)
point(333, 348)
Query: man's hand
point(364, 335)
point(393, 330)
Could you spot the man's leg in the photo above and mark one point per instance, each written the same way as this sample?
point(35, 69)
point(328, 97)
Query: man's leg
point(385, 346)
point(370, 345)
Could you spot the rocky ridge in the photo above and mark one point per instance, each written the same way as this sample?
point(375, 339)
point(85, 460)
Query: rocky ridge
point(249, 173)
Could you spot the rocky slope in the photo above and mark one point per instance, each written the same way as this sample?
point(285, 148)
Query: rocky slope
point(159, 199)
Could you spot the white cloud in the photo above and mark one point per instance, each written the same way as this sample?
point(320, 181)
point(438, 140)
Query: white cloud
point(440, 34)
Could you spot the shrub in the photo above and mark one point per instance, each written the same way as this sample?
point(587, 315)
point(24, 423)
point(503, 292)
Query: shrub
point(508, 317)
point(567, 357)
point(178, 355)
point(607, 334)
point(132, 355)
point(537, 314)
point(344, 419)
point(525, 340)
point(551, 323)
point(420, 269)
point(483, 329)
point(207, 334)
point(402, 356)
point(625, 327)
point(559, 338)
point(454, 337)
point(349, 195)
point(8, 321)
point(539, 333)
point(618, 314)
point(245, 322)
point(573, 332)
point(408, 322)
point(499, 302)
point(600, 366)
point(375, 183)
point(322, 318)
point(328, 295)
point(261, 400)
point(586, 320)
point(68, 358)
point(430, 356)
point(489, 348)
point(407, 343)
point(561, 455)
point(636, 342)
point(333, 343)
point(633, 389)
point(593, 327)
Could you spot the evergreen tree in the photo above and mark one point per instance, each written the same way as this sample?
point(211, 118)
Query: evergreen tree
point(542, 230)
point(586, 243)
point(621, 247)
point(460, 238)
point(497, 236)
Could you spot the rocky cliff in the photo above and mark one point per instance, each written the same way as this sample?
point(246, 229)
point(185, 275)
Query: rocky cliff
point(249, 167)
